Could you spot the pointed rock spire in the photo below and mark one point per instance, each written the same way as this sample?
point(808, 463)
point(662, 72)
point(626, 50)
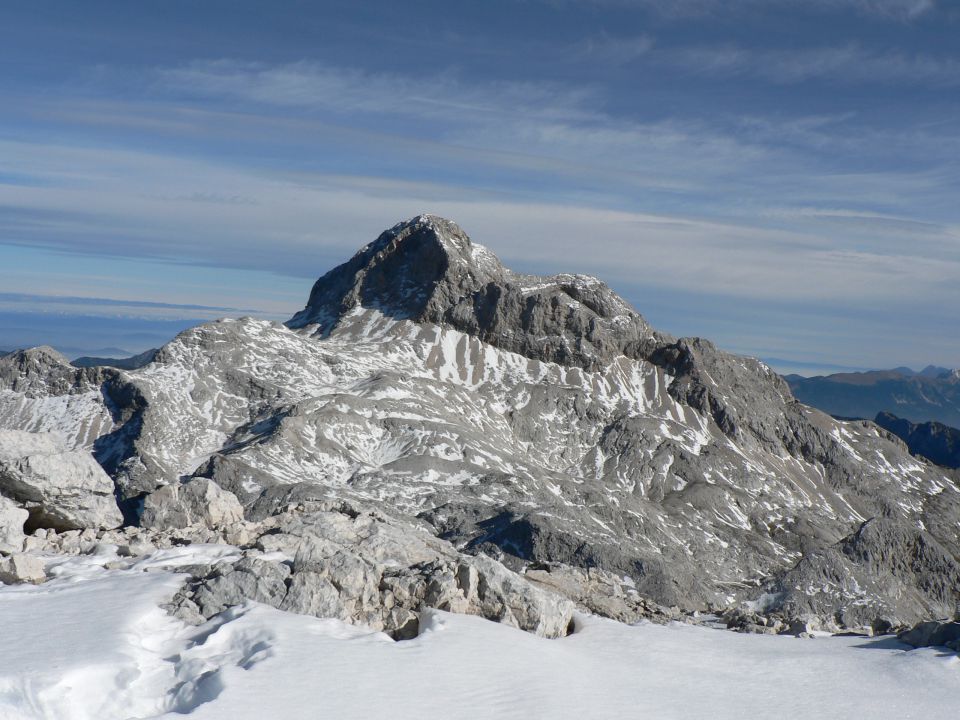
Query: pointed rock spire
point(428, 270)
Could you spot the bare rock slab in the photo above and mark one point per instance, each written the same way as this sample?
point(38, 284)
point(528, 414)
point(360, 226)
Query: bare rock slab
point(60, 488)
point(12, 518)
point(198, 502)
point(21, 568)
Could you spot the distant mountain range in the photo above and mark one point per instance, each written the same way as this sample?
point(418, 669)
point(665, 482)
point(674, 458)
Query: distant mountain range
point(932, 394)
point(109, 353)
point(124, 363)
point(935, 441)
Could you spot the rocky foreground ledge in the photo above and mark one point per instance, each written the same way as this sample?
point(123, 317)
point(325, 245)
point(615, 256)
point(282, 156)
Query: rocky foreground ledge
point(320, 557)
point(335, 560)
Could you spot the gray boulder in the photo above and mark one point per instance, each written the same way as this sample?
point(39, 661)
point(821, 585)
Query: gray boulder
point(247, 579)
point(21, 568)
point(602, 593)
point(12, 518)
point(498, 594)
point(60, 488)
point(200, 501)
point(933, 633)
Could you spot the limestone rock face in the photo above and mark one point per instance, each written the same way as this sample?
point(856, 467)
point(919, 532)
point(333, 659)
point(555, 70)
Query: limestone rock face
point(537, 420)
point(199, 501)
point(914, 574)
point(363, 567)
point(12, 518)
point(21, 568)
point(428, 270)
point(498, 594)
point(60, 488)
point(41, 370)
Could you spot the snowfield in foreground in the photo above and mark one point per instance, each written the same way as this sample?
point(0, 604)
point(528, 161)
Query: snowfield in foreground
point(94, 643)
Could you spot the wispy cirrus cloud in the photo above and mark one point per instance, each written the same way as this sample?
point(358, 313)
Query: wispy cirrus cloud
point(556, 134)
point(34, 299)
point(538, 127)
point(565, 132)
point(889, 9)
point(303, 224)
point(614, 49)
point(847, 64)
point(780, 175)
point(319, 86)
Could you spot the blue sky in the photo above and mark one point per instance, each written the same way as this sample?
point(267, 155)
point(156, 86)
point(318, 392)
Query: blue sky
point(781, 176)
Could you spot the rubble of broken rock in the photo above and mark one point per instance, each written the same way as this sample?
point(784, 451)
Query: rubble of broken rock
point(339, 560)
point(325, 560)
point(329, 558)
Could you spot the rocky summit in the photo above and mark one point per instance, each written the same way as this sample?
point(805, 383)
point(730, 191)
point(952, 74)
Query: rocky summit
point(435, 430)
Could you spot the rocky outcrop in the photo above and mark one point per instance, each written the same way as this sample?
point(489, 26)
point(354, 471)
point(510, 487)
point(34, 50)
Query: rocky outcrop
point(603, 593)
point(933, 633)
point(200, 501)
point(60, 488)
point(21, 568)
point(885, 575)
point(12, 518)
point(330, 560)
point(539, 421)
point(361, 567)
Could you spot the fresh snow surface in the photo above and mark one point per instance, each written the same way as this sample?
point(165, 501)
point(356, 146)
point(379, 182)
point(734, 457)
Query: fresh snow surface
point(93, 644)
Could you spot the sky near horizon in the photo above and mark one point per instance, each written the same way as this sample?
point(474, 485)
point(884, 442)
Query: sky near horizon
point(780, 176)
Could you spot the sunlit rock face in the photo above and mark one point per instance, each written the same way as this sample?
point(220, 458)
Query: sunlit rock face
point(540, 420)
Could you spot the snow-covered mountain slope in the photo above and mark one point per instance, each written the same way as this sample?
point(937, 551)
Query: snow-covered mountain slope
point(41, 392)
point(540, 420)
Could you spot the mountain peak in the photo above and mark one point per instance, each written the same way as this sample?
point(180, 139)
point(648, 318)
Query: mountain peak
point(41, 354)
point(441, 227)
point(427, 260)
point(37, 369)
point(427, 269)
point(934, 371)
